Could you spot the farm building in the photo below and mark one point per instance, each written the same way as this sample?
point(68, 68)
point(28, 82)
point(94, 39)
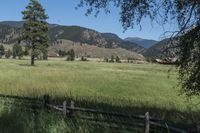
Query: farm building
point(169, 61)
point(53, 54)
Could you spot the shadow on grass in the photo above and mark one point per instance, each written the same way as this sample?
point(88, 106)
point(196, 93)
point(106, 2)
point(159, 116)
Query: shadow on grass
point(16, 119)
point(181, 119)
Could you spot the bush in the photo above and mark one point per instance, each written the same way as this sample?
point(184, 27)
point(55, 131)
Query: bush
point(70, 55)
point(118, 59)
point(83, 58)
point(105, 59)
point(68, 58)
point(17, 51)
point(131, 60)
point(112, 59)
point(8, 54)
point(62, 53)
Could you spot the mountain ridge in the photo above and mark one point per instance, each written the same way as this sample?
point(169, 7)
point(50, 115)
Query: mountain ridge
point(146, 43)
point(9, 30)
point(82, 35)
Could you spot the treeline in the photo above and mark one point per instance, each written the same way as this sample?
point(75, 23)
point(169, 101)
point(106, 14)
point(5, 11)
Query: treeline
point(70, 55)
point(113, 59)
point(116, 59)
point(17, 51)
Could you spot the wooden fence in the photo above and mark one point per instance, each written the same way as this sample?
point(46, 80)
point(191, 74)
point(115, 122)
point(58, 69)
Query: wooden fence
point(69, 110)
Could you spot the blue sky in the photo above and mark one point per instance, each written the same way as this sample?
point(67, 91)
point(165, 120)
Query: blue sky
point(63, 12)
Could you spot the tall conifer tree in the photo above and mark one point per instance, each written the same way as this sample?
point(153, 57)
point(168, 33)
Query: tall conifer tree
point(2, 51)
point(35, 28)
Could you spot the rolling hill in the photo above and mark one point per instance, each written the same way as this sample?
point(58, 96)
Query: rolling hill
point(76, 34)
point(9, 31)
point(92, 37)
point(83, 49)
point(89, 39)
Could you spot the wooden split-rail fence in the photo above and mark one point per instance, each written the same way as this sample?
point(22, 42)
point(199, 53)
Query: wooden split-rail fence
point(145, 123)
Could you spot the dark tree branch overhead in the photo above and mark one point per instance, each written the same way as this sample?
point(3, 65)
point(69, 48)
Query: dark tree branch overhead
point(186, 13)
point(133, 11)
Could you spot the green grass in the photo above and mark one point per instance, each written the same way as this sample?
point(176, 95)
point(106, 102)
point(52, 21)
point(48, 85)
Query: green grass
point(146, 83)
point(137, 87)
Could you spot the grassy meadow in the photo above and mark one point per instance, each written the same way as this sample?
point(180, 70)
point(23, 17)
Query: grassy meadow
point(137, 83)
point(134, 88)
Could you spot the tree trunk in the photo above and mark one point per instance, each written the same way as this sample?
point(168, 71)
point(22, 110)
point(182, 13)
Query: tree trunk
point(32, 60)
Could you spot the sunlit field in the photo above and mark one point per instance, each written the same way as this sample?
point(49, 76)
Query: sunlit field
point(149, 84)
point(143, 87)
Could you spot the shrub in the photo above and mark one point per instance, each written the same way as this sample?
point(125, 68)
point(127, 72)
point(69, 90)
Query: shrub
point(17, 51)
point(105, 59)
point(68, 58)
point(112, 59)
point(70, 55)
point(118, 59)
point(83, 58)
point(8, 54)
point(131, 60)
point(62, 53)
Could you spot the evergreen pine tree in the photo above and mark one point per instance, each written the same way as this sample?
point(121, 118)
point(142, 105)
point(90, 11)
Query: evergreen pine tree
point(118, 59)
point(35, 28)
point(2, 51)
point(72, 53)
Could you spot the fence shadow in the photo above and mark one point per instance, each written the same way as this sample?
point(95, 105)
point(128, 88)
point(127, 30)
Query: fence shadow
point(18, 119)
point(15, 118)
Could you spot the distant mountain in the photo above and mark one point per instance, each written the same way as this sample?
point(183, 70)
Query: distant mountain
point(13, 23)
point(92, 37)
point(146, 43)
point(9, 31)
point(19, 24)
point(161, 50)
point(75, 34)
point(113, 39)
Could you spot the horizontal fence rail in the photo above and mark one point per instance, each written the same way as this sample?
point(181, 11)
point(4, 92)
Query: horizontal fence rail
point(148, 123)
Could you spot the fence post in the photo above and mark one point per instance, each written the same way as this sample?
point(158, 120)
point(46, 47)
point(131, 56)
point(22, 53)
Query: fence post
point(46, 99)
point(65, 108)
point(72, 108)
point(147, 122)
